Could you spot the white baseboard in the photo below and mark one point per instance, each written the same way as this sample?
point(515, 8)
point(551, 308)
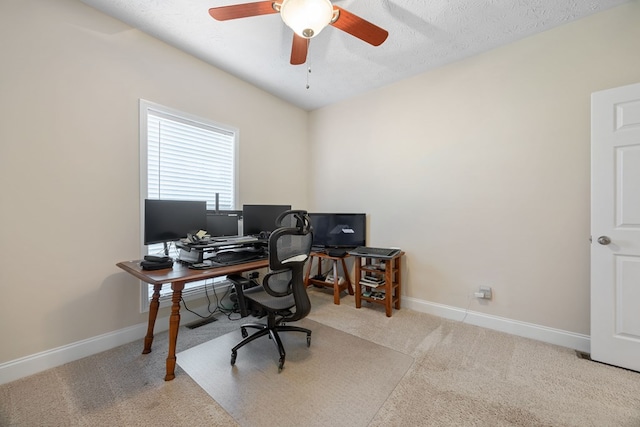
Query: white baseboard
point(29, 365)
point(32, 364)
point(559, 337)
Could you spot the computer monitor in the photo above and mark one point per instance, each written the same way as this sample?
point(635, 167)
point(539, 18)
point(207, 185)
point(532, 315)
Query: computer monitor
point(259, 218)
point(221, 223)
point(170, 220)
point(338, 230)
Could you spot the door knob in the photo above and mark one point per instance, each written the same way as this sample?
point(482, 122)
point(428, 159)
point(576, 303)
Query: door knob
point(604, 240)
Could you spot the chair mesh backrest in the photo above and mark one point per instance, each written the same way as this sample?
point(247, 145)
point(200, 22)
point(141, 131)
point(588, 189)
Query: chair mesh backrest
point(289, 249)
point(290, 243)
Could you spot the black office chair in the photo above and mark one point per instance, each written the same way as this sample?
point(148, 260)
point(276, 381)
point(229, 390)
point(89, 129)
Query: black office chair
point(282, 296)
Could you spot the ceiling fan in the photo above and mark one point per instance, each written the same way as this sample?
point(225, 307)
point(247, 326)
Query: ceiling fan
point(306, 18)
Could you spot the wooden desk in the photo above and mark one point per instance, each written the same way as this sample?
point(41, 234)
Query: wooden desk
point(337, 287)
point(178, 276)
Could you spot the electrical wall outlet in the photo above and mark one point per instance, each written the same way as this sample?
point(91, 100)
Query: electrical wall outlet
point(484, 293)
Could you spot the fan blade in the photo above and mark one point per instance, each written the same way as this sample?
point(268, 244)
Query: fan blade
point(244, 10)
point(358, 27)
point(299, 50)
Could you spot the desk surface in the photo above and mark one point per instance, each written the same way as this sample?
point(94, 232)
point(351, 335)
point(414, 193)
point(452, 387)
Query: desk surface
point(182, 273)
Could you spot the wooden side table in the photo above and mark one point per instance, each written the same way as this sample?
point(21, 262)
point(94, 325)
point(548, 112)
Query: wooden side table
point(337, 287)
point(388, 291)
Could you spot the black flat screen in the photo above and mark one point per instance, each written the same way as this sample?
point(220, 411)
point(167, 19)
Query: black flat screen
point(170, 220)
point(339, 230)
point(221, 224)
point(259, 218)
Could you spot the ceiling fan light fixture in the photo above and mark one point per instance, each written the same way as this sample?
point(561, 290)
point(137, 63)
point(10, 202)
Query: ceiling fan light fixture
point(306, 17)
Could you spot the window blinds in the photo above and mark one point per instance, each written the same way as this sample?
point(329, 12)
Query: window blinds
point(188, 160)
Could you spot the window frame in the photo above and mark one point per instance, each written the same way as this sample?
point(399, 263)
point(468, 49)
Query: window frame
point(145, 108)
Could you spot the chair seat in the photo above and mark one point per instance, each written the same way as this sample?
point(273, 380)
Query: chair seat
point(260, 296)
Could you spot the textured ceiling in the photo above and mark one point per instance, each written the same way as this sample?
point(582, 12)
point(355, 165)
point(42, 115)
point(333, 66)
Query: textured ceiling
point(422, 35)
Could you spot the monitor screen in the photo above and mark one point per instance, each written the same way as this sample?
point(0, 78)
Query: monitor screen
point(339, 230)
point(259, 218)
point(169, 220)
point(220, 224)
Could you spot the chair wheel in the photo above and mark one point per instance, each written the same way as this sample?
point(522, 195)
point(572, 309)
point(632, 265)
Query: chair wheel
point(243, 330)
point(308, 340)
point(280, 365)
point(233, 357)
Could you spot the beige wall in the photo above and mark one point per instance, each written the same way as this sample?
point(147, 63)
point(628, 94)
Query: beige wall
point(480, 170)
point(70, 81)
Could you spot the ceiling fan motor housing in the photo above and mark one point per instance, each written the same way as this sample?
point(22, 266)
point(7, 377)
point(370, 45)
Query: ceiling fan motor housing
point(306, 17)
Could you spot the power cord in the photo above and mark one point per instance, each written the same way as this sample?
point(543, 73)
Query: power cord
point(219, 307)
point(466, 311)
point(229, 312)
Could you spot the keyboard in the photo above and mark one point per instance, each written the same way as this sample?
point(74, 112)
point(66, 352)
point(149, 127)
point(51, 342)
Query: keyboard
point(223, 259)
point(374, 252)
point(236, 257)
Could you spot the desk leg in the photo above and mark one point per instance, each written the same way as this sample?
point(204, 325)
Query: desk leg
point(388, 284)
point(358, 265)
point(153, 313)
point(174, 323)
point(398, 268)
point(336, 283)
point(346, 277)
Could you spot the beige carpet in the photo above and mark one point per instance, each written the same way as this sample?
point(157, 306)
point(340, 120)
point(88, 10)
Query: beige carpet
point(340, 380)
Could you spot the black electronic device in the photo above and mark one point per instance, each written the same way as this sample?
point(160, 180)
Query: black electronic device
point(221, 223)
point(171, 220)
point(156, 265)
point(154, 258)
point(261, 218)
point(369, 252)
point(337, 253)
point(338, 230)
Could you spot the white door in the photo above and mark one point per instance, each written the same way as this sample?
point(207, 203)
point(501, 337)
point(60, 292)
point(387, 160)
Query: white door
point(615, 226)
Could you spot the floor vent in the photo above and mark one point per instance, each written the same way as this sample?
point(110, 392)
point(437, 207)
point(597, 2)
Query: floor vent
point(201, 322)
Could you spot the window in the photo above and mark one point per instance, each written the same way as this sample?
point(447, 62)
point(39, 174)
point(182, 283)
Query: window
point(183, 157)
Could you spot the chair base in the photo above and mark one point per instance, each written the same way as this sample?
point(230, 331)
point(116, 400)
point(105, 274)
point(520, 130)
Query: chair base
point(272, 332)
